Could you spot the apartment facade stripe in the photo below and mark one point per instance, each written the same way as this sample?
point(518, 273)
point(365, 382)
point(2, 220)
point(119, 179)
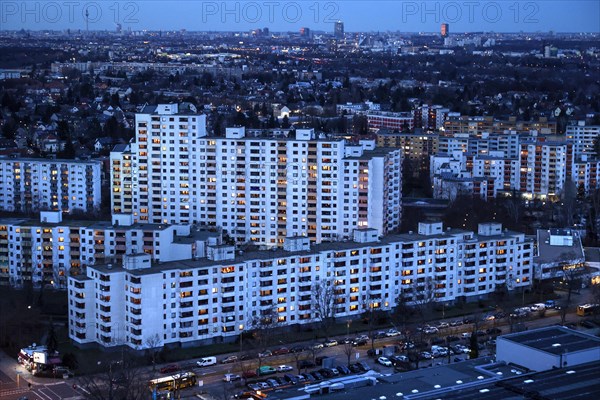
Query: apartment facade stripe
point(140, 303)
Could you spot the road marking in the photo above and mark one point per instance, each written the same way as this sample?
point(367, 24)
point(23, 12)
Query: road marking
point(39, 392)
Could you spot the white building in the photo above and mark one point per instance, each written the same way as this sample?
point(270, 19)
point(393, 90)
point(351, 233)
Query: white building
point(33, 184)
point(542, 169)
point(547, 348)
point(257, 188)
point(48, 250)
point(583, 137)
point(143, 304)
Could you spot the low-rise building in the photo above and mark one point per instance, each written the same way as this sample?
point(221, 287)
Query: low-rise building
point(547, 348)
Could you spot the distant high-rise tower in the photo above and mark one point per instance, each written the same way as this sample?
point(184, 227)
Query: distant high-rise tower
point(445, 30)
point(338, 29)
point(305, 32)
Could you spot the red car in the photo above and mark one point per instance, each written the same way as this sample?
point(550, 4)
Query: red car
point(249, 374)
point(169, 369)
point(283, 350)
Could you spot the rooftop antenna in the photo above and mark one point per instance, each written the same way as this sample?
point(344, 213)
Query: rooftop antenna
point(87, 20)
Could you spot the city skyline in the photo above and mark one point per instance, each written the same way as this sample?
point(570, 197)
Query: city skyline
point(282, 16)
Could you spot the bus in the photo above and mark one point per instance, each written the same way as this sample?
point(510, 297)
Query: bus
point(173, 382)
point(587, 309)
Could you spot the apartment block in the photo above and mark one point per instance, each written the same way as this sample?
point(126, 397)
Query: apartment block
point(258, 186)
point(541, 170)
point(142, 304)
point(47, 251)
point(583, 136)
point(395, 121)
point(545, 167)
point(586, 175)
point(33, 184)
point(479, 125)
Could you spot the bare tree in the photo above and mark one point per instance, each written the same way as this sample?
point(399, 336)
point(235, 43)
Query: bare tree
point(120, 380)
point(263, 326)
point(153, 343)
point(324, 304)
point(348, 350)
point(423, 296)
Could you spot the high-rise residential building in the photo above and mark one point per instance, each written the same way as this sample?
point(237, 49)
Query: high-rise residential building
point(33, 184)
point(338, 30)
point(142, 304)
point(445, 30)
point(49, 250)
point(305, 32)
point(546, 167)
point(260, 187)
point(541, 170)
point(583, 137)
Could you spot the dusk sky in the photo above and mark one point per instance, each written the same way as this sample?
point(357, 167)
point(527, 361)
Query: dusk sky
point(277, 15)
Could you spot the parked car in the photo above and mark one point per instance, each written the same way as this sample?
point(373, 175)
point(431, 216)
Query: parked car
point(538, 307)
point(399, 359)
point(293, 379)
point(298, 349)
point(169, 369)
point(206, 361)
point(330, 343)
point(457, 322)
point(342, 369)
point(443, 325)
point(360, 342)
point(254, 386)
point(364, 366)
point(392, 333)
point(265, 370)
point(273, 383)
point(355, 368)
point(280, 351)
point(249, 374)
point(384, 361)
point(229, 359)
point(264, 354)
point(308, 377)
point(430, 330)
point(231, 377)
point(284, 368)
point(318, 375)
point(317, 346)
point(425, 355)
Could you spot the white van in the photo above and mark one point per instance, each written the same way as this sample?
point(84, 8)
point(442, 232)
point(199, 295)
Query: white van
point(207, 361)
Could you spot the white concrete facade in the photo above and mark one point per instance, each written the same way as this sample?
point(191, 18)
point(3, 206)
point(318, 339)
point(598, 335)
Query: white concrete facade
point(30, 184)
point(48, 252)
point(258, 188)
point(200, 300)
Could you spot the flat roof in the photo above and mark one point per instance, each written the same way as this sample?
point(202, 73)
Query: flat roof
point(554, 340)
point(571, 383)
point(437, 379)
point(555, 254)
